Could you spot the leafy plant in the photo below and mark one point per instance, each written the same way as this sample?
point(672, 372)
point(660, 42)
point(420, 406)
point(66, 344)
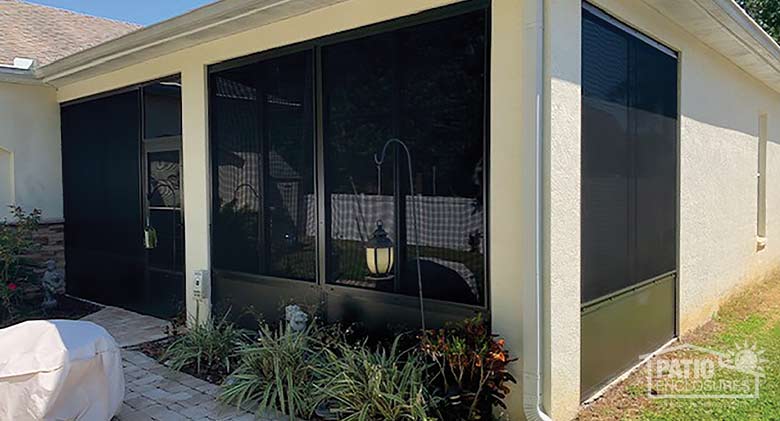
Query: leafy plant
point(276, 372)
point(16, 241)
point(472, 368)
point(206, 350)
point(360, 384)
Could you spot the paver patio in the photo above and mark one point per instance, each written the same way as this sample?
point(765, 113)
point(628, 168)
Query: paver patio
point(129, 328)
point(153, 391)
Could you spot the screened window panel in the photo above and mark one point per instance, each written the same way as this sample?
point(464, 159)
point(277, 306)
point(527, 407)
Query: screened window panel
point(360, 114)
point(162, 109)
point(629, 161)
point(605, 159)
point(101, 152)
point(262, 134)
point(426, 86)
point(654, 106)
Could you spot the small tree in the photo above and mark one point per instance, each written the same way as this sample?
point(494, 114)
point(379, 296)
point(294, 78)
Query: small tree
point(766, 13)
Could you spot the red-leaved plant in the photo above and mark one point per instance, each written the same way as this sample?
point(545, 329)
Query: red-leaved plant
point(471, 367)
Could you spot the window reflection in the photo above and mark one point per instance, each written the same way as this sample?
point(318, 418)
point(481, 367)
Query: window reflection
point(263, 138)
point(424, 85)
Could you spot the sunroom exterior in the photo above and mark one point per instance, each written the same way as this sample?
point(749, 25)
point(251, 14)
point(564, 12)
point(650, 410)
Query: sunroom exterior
point(578, 236)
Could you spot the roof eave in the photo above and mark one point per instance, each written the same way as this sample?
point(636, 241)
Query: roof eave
point(19, 76)
point(725, 27)
point(722, 24)
point(204, 24)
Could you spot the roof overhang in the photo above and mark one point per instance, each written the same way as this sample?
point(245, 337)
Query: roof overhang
point(725, 27)
point(207, 23)
point(721, 24)
point(19, 76)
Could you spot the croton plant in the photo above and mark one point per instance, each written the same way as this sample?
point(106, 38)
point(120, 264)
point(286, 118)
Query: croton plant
point(472, 368)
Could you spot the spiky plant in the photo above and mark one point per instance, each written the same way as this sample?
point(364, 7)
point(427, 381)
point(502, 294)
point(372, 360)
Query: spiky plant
point(361, 384)
point(275, 373)
point(207, 350)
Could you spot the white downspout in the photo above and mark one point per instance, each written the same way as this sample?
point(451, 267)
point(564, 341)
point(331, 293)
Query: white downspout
point(533, 347)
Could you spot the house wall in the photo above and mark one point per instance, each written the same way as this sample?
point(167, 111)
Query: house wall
point(30, 158)
point(720, 107)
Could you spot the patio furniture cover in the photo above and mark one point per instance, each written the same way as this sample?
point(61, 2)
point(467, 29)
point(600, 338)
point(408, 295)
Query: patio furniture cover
point(59, 370)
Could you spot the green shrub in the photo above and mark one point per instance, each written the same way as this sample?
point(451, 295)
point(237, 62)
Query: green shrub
point(16, 240)
point(207, 350)
point(276, 372)
point(360, 384)
point(471, 369)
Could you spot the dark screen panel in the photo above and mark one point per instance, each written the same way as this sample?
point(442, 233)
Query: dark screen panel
point(629, 159)
point(425, 85)
point(236, 161)
point(263, 139)
point(605, 159)
point(100, 147)
point(654, 106)
point(361, 105)
point(162, 109)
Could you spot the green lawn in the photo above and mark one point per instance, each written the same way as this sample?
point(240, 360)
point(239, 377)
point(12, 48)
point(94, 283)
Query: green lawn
point(750, 319)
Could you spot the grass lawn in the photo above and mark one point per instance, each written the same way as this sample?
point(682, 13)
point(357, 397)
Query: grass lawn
point(751, 318)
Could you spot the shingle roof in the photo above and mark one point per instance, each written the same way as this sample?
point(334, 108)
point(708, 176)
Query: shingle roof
point(46, 33)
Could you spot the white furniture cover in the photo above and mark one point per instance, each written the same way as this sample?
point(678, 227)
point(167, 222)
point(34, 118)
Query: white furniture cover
point(59, 370)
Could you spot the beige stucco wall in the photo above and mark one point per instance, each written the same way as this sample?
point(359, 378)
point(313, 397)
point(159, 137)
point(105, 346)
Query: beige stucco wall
point(562, 207)
point(30, 159)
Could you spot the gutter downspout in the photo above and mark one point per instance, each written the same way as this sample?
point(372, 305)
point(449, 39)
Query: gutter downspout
point(533, 347)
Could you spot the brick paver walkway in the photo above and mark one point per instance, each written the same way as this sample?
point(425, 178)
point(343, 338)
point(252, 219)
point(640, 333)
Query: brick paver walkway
point(154, 392)
point(129, 328)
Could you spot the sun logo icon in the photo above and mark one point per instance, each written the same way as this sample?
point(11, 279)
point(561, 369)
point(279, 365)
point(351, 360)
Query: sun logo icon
point(746, 359)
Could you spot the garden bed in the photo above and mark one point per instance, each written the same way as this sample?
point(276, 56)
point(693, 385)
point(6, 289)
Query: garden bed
point(68, 308)
point(331, 372)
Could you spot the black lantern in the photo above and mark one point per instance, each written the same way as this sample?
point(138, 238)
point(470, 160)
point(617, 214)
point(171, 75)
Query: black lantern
point(380, 255)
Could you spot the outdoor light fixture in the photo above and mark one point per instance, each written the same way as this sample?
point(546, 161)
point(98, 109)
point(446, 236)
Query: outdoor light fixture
point(379, 249)
point(380, 254)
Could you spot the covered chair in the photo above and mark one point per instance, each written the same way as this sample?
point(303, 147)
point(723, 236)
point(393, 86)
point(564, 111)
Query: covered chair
point(59, 370)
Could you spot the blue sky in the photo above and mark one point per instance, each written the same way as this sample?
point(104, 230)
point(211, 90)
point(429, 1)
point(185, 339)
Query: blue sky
point(144, 12)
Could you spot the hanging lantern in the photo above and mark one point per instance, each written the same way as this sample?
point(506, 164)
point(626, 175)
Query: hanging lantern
point(380, 254)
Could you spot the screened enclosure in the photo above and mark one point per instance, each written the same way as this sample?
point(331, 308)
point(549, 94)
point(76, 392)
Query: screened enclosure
point(297, 193)
point(121, 178)
point(629, 196)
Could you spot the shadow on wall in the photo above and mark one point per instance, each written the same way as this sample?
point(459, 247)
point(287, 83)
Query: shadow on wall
point(6, 181)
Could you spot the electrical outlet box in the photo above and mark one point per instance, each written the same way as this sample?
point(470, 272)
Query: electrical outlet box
point(202, 285)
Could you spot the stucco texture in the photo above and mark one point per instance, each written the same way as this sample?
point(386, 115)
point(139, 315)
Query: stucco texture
point(30, 147)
